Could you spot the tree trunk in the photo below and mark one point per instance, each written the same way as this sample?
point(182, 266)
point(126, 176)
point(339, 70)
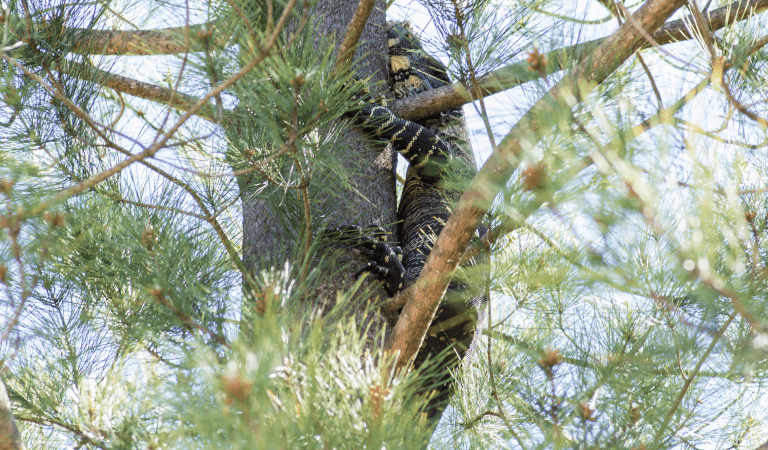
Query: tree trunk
point(266, 242)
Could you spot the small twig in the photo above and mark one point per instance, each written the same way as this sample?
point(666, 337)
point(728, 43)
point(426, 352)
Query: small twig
point(13, 233)
point(121, 101)
point(474, 85)
point(157, 207)
point(763, 123)
point(175, 89)
point(760, 43)
point(187, 320)
point(139, 89)
point(605, 19)
point(691, 377)
point(650, 78)
point(695, 128)
point(492, 375)
point(303, 187)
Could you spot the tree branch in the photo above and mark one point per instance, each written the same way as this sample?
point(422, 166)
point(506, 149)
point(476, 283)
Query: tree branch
point(390, 308)
point(202, 103)
point(140, 89)
point(10, 439)
point(408, 333)
point(454, 96)
point(663, 116)
point(165, 41)
point(170, 41)
point(352, 35)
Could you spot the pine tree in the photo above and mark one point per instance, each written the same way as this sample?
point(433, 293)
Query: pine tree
point(166, 281)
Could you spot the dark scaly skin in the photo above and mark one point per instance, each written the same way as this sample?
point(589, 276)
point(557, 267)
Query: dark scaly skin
point(386, 258)
point(436, 149)
point(425, 207)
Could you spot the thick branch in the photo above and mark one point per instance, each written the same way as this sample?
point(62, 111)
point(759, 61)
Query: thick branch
point(9, 434)
point(352, 35)
point(170, 40)
point(419, 310)
point(167, 41)
point(454, 96)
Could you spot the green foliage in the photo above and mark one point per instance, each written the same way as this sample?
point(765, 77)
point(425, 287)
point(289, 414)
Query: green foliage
point(627, 281)
point(296, 381)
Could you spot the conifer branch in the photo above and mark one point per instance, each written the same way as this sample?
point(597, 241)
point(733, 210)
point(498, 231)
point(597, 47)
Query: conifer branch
point(660, 118)
point(136, 88)
point(689, 379)
point(515, 74)
point(187, 320)
point(172, 41)
point(417, 314)
point(84, 436)
point(389, 309)
point(269, 43)
point(149, 152)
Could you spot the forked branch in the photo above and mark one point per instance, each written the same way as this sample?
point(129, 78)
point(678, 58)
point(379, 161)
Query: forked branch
point(454, 96)
point(170, 41)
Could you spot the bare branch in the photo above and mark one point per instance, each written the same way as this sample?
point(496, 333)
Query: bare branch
point(166, 41)
point(140, 89)
point(691, 376)
point(419, 310)
point(456, 95)
point(352, 35)
point(10, 439)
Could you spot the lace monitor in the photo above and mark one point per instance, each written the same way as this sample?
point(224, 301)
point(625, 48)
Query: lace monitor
point(436, 149)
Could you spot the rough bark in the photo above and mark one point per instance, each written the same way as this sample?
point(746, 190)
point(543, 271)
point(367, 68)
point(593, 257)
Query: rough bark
point(265, 241)
point(166, 41)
